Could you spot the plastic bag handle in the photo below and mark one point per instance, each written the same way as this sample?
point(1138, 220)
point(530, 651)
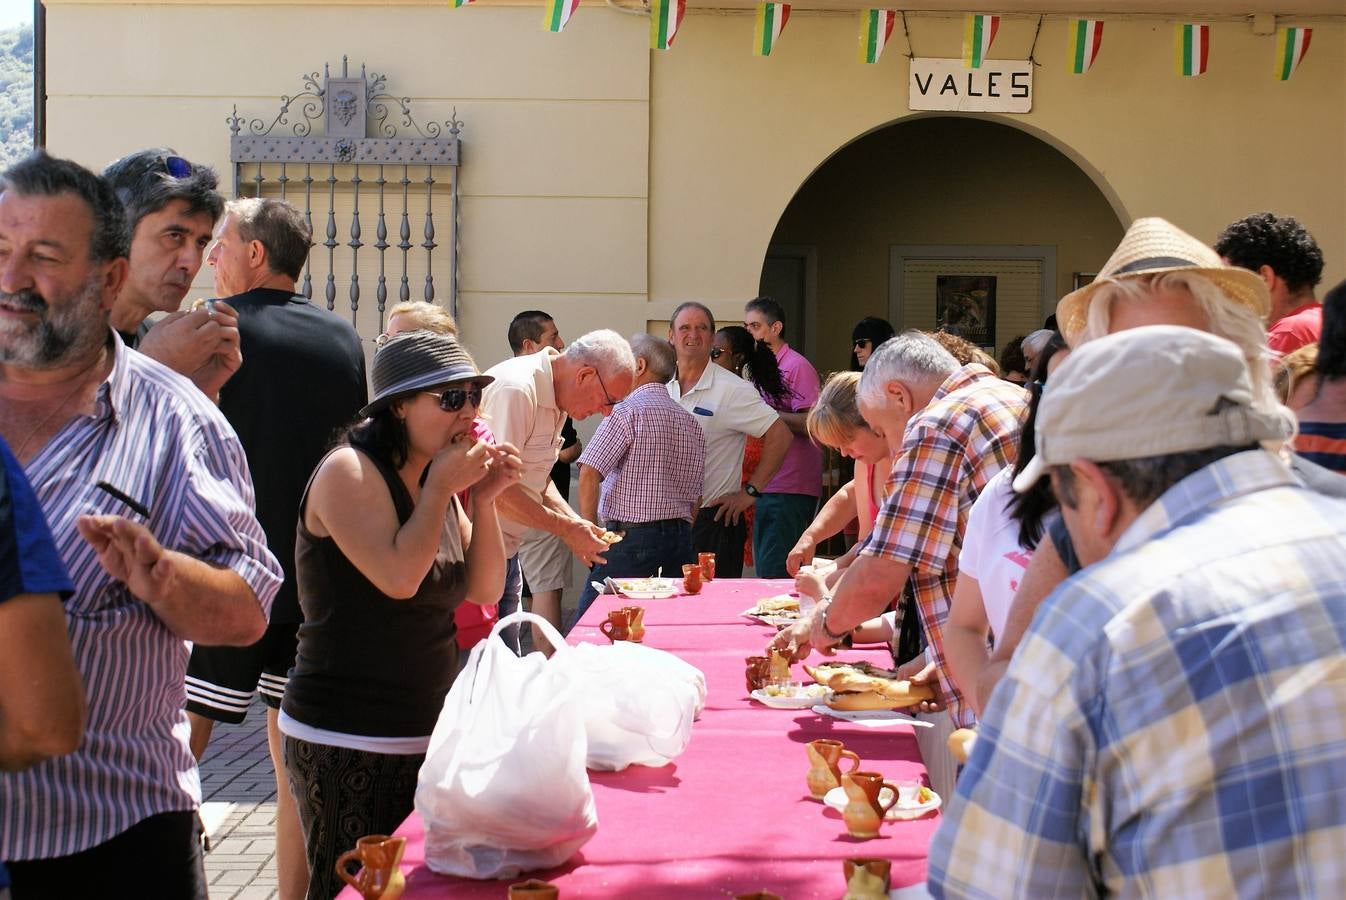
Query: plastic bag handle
point(548, 629)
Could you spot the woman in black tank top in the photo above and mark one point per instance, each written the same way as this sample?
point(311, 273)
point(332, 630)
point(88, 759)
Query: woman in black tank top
point(383, 555)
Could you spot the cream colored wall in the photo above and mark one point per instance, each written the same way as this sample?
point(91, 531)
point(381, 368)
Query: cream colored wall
point(554, 186)
point(986, 184)
point(734, 136)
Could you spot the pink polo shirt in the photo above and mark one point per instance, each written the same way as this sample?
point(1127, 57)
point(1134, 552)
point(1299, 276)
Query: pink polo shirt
point(802, 470)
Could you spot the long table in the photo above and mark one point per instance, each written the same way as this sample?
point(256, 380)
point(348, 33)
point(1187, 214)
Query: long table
point(732, 814)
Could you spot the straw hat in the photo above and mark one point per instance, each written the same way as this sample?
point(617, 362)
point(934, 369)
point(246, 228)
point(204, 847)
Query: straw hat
point(1153, 246)
point(416, 361)
point(1151, 391)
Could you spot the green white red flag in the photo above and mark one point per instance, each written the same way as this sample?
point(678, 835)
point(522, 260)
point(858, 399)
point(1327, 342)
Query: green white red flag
point(1086, 37)
point(559, 13)
point(876, 25)
point(665, 17)
point(1192, 46)
point(1291, 45)
point(771, 19)
point(455, 4)
point(978, 33)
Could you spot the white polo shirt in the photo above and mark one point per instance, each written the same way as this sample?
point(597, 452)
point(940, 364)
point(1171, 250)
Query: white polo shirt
point(520, 409)
point(728, 409)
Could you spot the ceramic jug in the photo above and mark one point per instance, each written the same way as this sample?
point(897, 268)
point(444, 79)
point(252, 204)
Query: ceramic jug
point(825, 758)
point(379, 878)
point(864, 810)
point(867, 879)
point(636, 616)
point(617, 626)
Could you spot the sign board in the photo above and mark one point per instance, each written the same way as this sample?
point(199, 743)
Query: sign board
point(1000, 85)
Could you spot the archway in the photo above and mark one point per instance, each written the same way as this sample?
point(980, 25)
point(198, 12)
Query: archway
point(909, 221)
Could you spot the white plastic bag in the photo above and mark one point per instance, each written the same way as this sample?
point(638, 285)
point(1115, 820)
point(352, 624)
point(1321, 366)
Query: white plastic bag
point(638, 703)
point(504, 789)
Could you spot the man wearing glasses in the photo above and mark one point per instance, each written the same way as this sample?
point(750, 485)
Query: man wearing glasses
point(526, 406)
point(172, 206)
point(302, 378)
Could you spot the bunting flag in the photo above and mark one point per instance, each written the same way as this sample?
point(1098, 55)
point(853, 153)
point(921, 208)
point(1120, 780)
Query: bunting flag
point(875, 27)
point(978, 32)
point(665, 17)
point(1291, 45)
point(771, 19)
point(559, 13)
point(1192, 43)
point(456, 4)
point(1086, 36)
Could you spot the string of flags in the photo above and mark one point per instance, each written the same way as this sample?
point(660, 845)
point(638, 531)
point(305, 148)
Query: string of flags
point(1191, 39)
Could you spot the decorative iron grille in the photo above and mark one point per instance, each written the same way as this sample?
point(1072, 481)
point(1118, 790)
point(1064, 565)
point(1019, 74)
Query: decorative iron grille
point(371, 151)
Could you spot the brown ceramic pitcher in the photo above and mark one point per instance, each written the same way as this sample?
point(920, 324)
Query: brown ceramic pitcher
point(867, 879)
point(825, 756)
point(617, 626)
point(865, 810)
point(758, 672)
point(636, 622)
point(379, 878)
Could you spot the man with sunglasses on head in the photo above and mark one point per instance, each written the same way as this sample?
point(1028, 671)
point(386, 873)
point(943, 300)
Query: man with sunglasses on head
point(172, 206)
point(526, 406)
point(302, 379)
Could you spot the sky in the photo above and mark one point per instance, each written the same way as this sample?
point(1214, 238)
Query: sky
point(14, 12)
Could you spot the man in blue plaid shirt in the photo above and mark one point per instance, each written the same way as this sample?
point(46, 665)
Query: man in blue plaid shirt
point(1174, 722)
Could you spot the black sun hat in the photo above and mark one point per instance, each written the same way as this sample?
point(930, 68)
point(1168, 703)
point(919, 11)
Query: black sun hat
point(417, 361)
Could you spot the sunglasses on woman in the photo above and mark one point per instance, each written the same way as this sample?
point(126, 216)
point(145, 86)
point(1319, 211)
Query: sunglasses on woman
point(453, 399)
point(716, 353)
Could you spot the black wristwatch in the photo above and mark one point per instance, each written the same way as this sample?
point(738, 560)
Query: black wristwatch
point(751, 490)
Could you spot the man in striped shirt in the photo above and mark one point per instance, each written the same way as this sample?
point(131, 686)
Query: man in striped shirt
point(148, 496)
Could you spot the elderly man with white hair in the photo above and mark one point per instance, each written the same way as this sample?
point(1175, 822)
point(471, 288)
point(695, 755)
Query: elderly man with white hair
point(1171, 725)
point(950, 429)
point(526, 406)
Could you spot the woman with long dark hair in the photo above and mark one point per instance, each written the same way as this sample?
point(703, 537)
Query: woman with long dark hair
point(866, 336)
point(1322, 422)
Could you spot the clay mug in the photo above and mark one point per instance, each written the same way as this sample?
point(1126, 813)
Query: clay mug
point(617, 626)
point(691, 578)
point(757, 895)
point(707, 563)
point(825, 756)
point(758, 673)
point(866, 879)
point(379, 878)
point(534, 889)
point(636, 619)
point(864, 810)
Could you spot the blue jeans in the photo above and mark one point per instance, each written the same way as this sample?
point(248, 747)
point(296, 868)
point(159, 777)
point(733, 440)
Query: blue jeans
point(510, 600)
point(641, 553)
point(778, 522)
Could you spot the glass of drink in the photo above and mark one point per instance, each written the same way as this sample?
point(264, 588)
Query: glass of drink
point(707, 563)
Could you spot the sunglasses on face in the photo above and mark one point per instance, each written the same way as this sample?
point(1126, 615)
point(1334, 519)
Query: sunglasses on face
point(716, 353)
point(176, 166)
point(453, 399)
point(862, 343)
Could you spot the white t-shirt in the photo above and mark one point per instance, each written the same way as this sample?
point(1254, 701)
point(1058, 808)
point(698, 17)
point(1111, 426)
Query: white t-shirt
point(991, 552)
point(728, 409)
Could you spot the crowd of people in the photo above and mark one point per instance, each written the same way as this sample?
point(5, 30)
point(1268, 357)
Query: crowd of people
point(1117, 551)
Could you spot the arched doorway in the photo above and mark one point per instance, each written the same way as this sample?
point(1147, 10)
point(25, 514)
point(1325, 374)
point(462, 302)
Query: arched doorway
point(908, 222)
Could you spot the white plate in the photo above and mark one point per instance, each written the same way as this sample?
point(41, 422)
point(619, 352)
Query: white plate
point(772, 619)
point(776, 702)
point(646, 588)
point(836, 798)
point(872, 718)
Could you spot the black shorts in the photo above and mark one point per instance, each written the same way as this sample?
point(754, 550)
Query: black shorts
point(221, 681)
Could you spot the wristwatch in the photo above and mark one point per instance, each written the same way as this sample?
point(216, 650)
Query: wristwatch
point(751, 490)
point(827, 599)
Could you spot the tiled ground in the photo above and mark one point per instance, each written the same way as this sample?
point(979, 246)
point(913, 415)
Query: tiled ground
point(239, 790)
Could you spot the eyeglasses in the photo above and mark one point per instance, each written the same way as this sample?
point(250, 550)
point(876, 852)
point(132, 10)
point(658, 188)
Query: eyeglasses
point(176, 166)
point(609, 402)
point(453, 399)
point(862, 343)
point(717, 353)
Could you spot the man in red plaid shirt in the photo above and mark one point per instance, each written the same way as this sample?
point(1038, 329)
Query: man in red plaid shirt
point(651, 458)
point(950, 429)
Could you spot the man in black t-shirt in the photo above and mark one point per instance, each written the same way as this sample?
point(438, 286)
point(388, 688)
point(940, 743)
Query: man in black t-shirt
point(302, 379)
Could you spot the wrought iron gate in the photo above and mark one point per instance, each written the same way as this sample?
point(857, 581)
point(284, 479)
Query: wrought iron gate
point(371, 151)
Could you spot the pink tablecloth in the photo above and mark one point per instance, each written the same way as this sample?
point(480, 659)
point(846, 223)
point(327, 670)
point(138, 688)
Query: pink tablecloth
point(732, 814)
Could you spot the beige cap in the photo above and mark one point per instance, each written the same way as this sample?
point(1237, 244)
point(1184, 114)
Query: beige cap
point(1149, 391)
point(1152, 247)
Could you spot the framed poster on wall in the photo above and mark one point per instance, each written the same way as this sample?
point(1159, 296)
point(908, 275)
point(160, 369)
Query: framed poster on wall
point(965, 306)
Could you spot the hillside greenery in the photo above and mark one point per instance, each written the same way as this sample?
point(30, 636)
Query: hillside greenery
point(16, 94)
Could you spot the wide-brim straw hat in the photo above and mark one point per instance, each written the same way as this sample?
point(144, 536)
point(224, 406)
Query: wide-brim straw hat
point(417, 361)
point(1153, 246)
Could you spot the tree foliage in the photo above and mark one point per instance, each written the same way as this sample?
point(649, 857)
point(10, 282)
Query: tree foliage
point(16, 94)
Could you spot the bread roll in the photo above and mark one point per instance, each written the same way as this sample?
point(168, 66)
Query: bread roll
point(862, 677)
point(960, 743)
point(857, 701)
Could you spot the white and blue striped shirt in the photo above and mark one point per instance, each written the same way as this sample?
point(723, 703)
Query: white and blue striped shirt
point(157, 438)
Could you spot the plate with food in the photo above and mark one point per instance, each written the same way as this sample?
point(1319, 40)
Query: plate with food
point(790, 696)
point(646, 588)
point(861, 686)
point(777, 611)
point(926, 801)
